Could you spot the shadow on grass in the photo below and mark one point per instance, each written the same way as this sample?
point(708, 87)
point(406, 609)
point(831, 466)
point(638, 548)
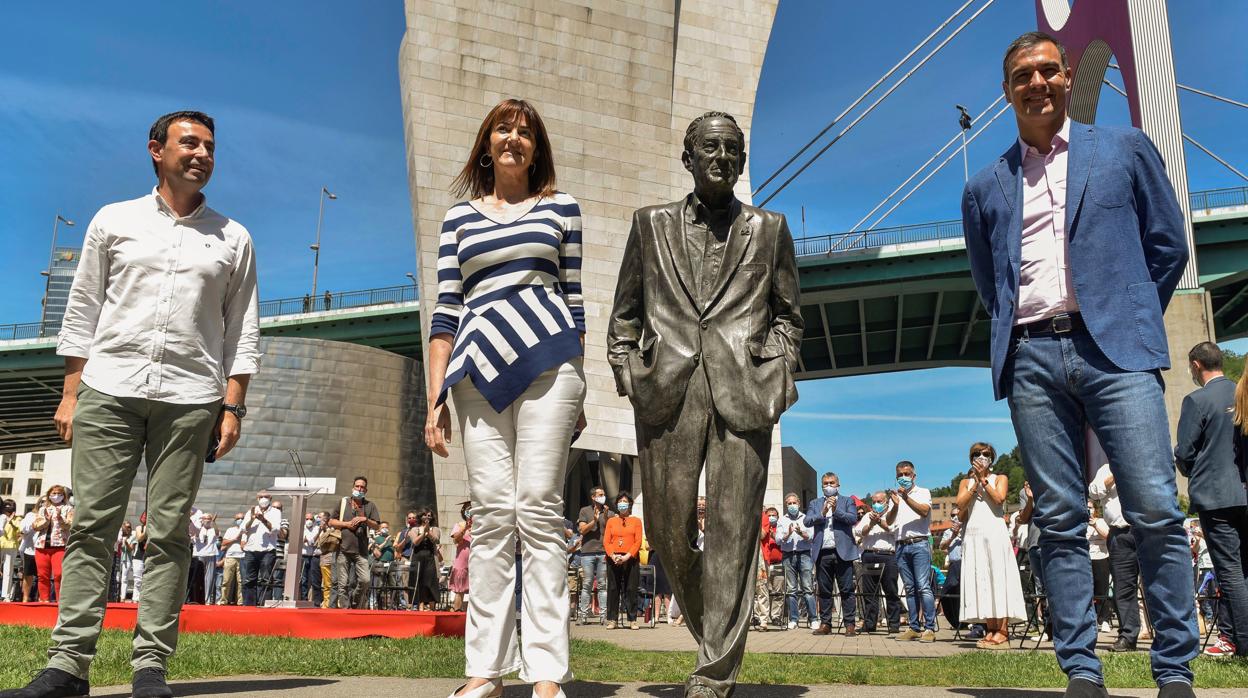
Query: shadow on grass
point(743, 691)
point(214, 687)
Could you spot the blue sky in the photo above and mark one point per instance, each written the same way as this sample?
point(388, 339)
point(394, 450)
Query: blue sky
point(306, 94)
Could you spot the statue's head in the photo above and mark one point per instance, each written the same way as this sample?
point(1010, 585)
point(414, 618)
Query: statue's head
point(714, 154)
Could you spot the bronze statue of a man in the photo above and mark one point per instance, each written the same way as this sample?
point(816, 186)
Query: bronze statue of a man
point(703, 340)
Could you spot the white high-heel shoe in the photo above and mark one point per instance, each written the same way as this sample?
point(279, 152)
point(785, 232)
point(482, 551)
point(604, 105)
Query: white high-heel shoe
point(493, 689)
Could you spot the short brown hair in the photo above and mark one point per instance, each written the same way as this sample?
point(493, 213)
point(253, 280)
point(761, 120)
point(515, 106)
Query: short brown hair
point(477, 180)
point(1028, 40)
point(980, 447)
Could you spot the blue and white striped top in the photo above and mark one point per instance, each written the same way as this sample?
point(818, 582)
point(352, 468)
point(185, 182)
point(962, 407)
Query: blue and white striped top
point(510, 293)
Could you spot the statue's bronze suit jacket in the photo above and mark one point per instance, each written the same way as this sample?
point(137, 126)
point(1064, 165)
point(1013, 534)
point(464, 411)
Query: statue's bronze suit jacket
point(746, 334)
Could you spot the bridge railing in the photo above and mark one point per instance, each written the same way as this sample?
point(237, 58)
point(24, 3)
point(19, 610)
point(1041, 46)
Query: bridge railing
point(20, 330)
point(270, 308)
point(836, 243)
point(338, 301)
point(1219, 198)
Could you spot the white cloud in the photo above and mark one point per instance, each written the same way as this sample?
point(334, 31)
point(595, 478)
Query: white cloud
point(920, 419)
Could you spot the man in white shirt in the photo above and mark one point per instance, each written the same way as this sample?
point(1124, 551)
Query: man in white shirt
point(204, 539)
point(161, 324)
point(879, 565)
point(310, 566)
point(231, 574)
point(262, 524)
point(794, 536)
point(1124, 561)
point(911, 516)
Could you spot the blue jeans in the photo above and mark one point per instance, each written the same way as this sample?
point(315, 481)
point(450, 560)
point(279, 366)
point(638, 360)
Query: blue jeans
point(257, 568)
point(1056, 385)
point(914, 561)
point(797, 576)
point(593, 566)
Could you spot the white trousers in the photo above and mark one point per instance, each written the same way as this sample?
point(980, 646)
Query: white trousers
point(517, 464)
point(125, 573)
point(137, 567)
point(8, 558)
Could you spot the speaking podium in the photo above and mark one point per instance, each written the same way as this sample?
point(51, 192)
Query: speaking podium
point(298, 489)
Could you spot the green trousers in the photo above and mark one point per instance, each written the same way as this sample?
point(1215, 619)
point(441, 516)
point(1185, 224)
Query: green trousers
point(112, 436)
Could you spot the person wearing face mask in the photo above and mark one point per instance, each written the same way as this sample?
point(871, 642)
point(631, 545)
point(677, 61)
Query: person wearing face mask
point(461, 535)
point(52, 523)
point(310, 561)
point(879, 565)
point(10, 537)
point(381, 550)
point(261, 524)
point(231, 569)
point(991, 591)
point(124, 556)
point(424, 540)
point(622, 543)
point(911, 513)
point(591, 523)
point(328, 547)
point(356, 515)
point(794, 537)
point(833, 553)
point(769, 586)
point(204, 539)
point(1205, 452)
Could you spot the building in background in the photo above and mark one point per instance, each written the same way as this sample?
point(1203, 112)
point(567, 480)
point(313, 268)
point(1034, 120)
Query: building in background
point(60, 279)
point(616, 84)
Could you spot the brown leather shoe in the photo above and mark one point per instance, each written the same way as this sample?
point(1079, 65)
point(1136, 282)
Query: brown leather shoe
point(850, 630)
point(824, 629)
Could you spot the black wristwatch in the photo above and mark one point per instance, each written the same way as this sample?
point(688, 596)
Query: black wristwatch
point(239, 411)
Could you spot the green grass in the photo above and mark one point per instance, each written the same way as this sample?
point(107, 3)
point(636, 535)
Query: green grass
point(203, 656)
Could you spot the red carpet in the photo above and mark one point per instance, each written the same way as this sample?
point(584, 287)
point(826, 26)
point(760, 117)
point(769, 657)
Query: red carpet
point(310, 623)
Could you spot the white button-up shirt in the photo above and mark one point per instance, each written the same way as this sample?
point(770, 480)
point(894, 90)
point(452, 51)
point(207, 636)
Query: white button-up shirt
point(909, 524)
point(1045, 285)
point(1111, 508)
point(260, 537)
point(791, 532)
point(163, 307)
point(881, 538)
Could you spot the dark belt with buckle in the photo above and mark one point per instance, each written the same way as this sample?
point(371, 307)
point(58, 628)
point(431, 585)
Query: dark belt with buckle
point(1061, 324)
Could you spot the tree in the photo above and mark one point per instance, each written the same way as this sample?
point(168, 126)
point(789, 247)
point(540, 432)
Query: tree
point(1232, 364)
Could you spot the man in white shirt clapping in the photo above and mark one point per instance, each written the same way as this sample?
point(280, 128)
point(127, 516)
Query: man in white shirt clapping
point(879, 565)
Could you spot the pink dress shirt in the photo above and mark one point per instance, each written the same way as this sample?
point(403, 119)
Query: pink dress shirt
point(1045, 286)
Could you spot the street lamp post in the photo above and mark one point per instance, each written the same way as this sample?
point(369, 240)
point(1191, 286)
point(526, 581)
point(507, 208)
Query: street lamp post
point(964, 120)
point(47, 286)
point(316, 248)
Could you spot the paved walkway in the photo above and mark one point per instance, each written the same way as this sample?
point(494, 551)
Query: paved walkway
point(800, 641)
point(319, 687)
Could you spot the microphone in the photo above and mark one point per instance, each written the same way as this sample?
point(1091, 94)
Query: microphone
point(294, 458)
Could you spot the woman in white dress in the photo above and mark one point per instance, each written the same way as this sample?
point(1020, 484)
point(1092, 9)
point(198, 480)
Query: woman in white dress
point(992, 592)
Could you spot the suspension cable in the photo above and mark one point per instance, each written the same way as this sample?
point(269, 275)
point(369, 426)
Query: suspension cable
point(863, 96)
point(1188, 138)
point(877, 102)
point(923, 181)
point(922, 167)
point(1193, 90)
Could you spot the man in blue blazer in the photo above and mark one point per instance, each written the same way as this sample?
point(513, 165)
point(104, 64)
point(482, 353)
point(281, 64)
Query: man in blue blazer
point(834, 558)
point(1076, 243)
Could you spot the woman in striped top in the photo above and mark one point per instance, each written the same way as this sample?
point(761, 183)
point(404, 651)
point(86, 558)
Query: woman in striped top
point(507, 341)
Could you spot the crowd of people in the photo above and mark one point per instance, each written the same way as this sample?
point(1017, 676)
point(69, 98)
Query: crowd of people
point(348, 559)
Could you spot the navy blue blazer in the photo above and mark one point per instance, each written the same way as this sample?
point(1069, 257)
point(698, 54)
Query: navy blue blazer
point(844, 517)
point(1204, 449)
point(1125, 232)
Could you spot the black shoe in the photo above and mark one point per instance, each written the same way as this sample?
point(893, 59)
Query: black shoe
point(1122, 644)
point(150, 683)
point(51, 683)
point(1083, 688)
point(1177, 689)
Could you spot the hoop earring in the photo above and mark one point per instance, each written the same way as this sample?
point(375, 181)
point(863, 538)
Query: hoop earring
point(485, 160)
